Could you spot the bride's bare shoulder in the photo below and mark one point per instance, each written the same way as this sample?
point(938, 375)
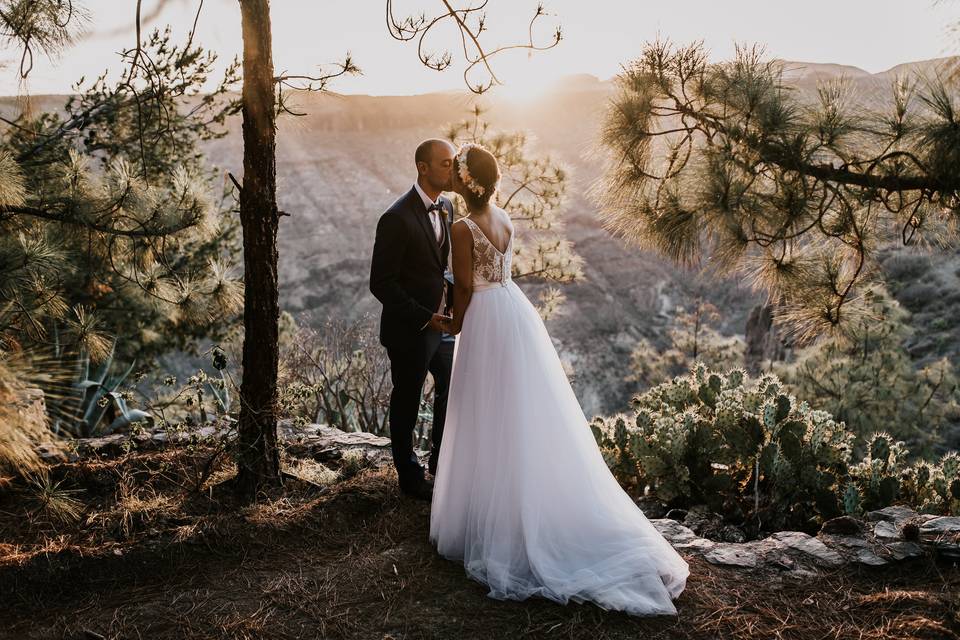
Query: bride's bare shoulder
point(461, 232)
point(503, 217)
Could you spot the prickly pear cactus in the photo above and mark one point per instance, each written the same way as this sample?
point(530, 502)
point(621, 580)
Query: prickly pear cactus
point(734, 379)
point(851, 499)
point(950, 465)
point(880, 447)
point(947, 483)
point(716, 438)
point(879, 476)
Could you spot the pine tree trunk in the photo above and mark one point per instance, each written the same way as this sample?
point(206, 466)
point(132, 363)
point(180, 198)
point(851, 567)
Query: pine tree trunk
point(258, 457)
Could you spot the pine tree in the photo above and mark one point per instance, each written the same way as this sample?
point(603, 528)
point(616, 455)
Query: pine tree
point(724, 163)
point(259, 457)
point(110, 226)
point(102, 232)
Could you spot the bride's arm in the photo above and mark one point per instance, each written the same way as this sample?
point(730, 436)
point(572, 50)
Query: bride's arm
point(462, 247)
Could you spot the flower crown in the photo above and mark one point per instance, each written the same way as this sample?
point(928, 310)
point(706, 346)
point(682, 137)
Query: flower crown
point(465, 176)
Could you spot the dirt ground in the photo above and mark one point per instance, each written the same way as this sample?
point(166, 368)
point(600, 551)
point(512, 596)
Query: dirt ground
point(151, 559)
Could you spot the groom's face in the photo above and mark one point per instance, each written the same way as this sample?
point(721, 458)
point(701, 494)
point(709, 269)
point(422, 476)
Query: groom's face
point(438, 170)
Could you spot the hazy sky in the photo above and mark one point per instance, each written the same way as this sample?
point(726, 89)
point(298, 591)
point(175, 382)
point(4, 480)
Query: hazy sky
point(599, 35)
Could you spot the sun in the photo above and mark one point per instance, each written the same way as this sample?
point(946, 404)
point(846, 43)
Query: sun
point(525, 83)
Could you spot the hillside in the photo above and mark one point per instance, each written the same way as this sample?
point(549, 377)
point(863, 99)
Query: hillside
point(342, 164)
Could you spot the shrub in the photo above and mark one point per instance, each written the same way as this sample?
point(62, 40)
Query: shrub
point(866, 378)
point(693, 337)
point(338, 375)
point(904, 267)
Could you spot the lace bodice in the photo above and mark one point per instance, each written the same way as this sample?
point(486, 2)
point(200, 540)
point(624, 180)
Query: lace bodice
point(489, 265)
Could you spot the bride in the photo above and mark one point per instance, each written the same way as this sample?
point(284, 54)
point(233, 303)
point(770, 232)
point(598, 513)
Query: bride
point(522, 495)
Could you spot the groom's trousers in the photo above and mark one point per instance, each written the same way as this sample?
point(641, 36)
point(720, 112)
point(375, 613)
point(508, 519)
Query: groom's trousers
point(410, 362)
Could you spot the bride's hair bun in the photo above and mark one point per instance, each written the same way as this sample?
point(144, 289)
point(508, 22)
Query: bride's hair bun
point(480, 172)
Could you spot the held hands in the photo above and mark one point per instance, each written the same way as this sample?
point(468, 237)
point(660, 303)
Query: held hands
point(440, 322)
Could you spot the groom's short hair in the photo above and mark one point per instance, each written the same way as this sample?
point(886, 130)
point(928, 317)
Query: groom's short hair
point(424, 150)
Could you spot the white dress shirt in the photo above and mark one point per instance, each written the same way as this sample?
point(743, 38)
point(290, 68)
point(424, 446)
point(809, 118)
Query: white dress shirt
point(434, 215)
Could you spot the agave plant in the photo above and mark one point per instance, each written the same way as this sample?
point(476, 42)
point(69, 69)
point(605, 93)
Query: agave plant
point(100, 394)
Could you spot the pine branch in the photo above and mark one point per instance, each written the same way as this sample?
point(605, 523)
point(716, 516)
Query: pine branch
point(64, 218)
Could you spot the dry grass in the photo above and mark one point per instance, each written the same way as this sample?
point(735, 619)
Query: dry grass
point(352, 560)
point(33, 387)
point(19, 427)
point(312, 471)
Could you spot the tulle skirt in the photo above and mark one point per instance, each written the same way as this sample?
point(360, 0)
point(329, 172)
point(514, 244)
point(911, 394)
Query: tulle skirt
point(522, 495)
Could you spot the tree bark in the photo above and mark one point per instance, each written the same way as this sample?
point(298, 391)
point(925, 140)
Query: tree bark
point(258, 457)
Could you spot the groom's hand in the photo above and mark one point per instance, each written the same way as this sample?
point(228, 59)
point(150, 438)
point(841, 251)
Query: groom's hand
point(440, 322)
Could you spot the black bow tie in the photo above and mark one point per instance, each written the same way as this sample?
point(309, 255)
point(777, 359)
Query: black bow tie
point(436, 206)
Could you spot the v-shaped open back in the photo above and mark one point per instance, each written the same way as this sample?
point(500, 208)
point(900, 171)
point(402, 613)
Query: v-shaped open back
point(490, 265)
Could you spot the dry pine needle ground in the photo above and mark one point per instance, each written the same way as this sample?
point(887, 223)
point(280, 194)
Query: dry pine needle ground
point(148, 558)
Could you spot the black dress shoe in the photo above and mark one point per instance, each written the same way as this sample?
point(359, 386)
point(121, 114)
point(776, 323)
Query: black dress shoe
point(422, 490)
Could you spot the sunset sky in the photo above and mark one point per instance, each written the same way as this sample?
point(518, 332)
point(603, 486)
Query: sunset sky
point(599, 36)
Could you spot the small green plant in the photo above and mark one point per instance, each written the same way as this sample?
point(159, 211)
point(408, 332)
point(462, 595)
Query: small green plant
point(58, 504)
point(352, 462)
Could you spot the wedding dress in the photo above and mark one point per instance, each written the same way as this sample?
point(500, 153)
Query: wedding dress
point(522, 495)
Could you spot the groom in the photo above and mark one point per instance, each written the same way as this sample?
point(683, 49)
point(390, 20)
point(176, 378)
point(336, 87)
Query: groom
point(407, 276)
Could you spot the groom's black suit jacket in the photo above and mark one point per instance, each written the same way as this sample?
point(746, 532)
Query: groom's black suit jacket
point(406, 272)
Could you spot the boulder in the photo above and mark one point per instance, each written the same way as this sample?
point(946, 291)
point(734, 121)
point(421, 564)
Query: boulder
point(895, 513)
point(733, 555)
point(673, 531)
point(885, 529)
point(807, 544)
point(841, 525)
point(697, 545)
point(903, 550)
point(853, 548)
point(651, 507)
point(943, 533)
